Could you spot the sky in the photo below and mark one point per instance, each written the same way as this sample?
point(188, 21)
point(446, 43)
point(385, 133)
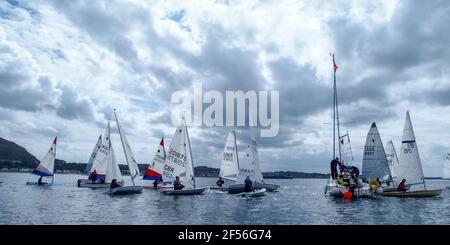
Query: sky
point(64, 66)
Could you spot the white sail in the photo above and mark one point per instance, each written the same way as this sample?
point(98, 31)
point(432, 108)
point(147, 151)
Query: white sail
point(47, 165)
point(93, 154)
point(99, 157)
point(249, 166)
point(392, 159)
point(409, 165)
point(112, 170)
point(179, 160)
point(346, 150)
point(129, 157)
point(374, 163)
point(446, 174)
point(229, 168)
point(156, 167)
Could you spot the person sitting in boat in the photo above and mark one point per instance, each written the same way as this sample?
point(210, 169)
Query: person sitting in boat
point(379, 181)
point(155, 183)
point(402, 186)
point(333, 165)
point(220, 182)
point(177, 184)
point(248, 184)
point(341, 180)
point(40, 181)
point(341, 167)
point(93, 176)
point(114, 184)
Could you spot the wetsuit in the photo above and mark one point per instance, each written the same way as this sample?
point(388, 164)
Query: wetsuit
point(248, 185)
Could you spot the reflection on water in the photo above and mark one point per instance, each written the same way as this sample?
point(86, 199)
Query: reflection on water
point(299, 201)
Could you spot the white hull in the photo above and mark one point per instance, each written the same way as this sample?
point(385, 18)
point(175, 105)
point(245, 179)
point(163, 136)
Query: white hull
point(364, 190)
point(256, 193)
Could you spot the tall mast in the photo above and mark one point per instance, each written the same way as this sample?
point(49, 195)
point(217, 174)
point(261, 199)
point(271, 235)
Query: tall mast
point(123, 146)
point(190, 150)
point(335, 113)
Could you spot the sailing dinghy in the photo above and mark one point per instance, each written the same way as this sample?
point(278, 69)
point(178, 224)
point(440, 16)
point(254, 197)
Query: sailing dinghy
point(374, 163)
point(132, 166)
point(155, 168)
point(179, 163)
point(229, 167)
point(250, 167)
point(46, 167)
point(410, 167)
point(255, 193)
point(100, 161)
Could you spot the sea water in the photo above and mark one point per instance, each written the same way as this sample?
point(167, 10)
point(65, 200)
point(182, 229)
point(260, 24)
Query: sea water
point(298, 201)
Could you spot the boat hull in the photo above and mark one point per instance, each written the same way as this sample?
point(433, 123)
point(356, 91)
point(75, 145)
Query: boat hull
point(83, 183)
point(239, 188)
point(158, 187)
point(125, 190)
point(198, 191)
point(420, 193)
point(42, 184)
point(218, 188)
point(256, 193)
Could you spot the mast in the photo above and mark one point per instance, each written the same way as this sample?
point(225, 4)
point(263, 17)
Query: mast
point(335, 113)
point(123, 146)
point(190, 150)
point(54, 161)
point(236, 150)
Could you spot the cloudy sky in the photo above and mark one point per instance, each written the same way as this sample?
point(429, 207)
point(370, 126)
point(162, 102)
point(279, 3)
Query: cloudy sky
point(64, 65)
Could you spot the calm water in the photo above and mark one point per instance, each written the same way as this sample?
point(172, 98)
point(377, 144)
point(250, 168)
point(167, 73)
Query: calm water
point(299, 201)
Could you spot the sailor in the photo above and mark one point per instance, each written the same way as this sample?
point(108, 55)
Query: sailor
point(355, 170)
point(333, 166)
point(94, 176)
point(248, 184)
point(379, 181)
point(155, 183)
point(177, 184)
point(220, 182)
point(114, 184)
point(402, 186)
point(40, 181)
point(352, 183)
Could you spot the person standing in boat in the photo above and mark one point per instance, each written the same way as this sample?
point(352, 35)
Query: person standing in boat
point(94, 176)
point(220, 182)
point(333, 165)
point(402, 186)
point(114, 184)
point(177, 184)
point(248, 184)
